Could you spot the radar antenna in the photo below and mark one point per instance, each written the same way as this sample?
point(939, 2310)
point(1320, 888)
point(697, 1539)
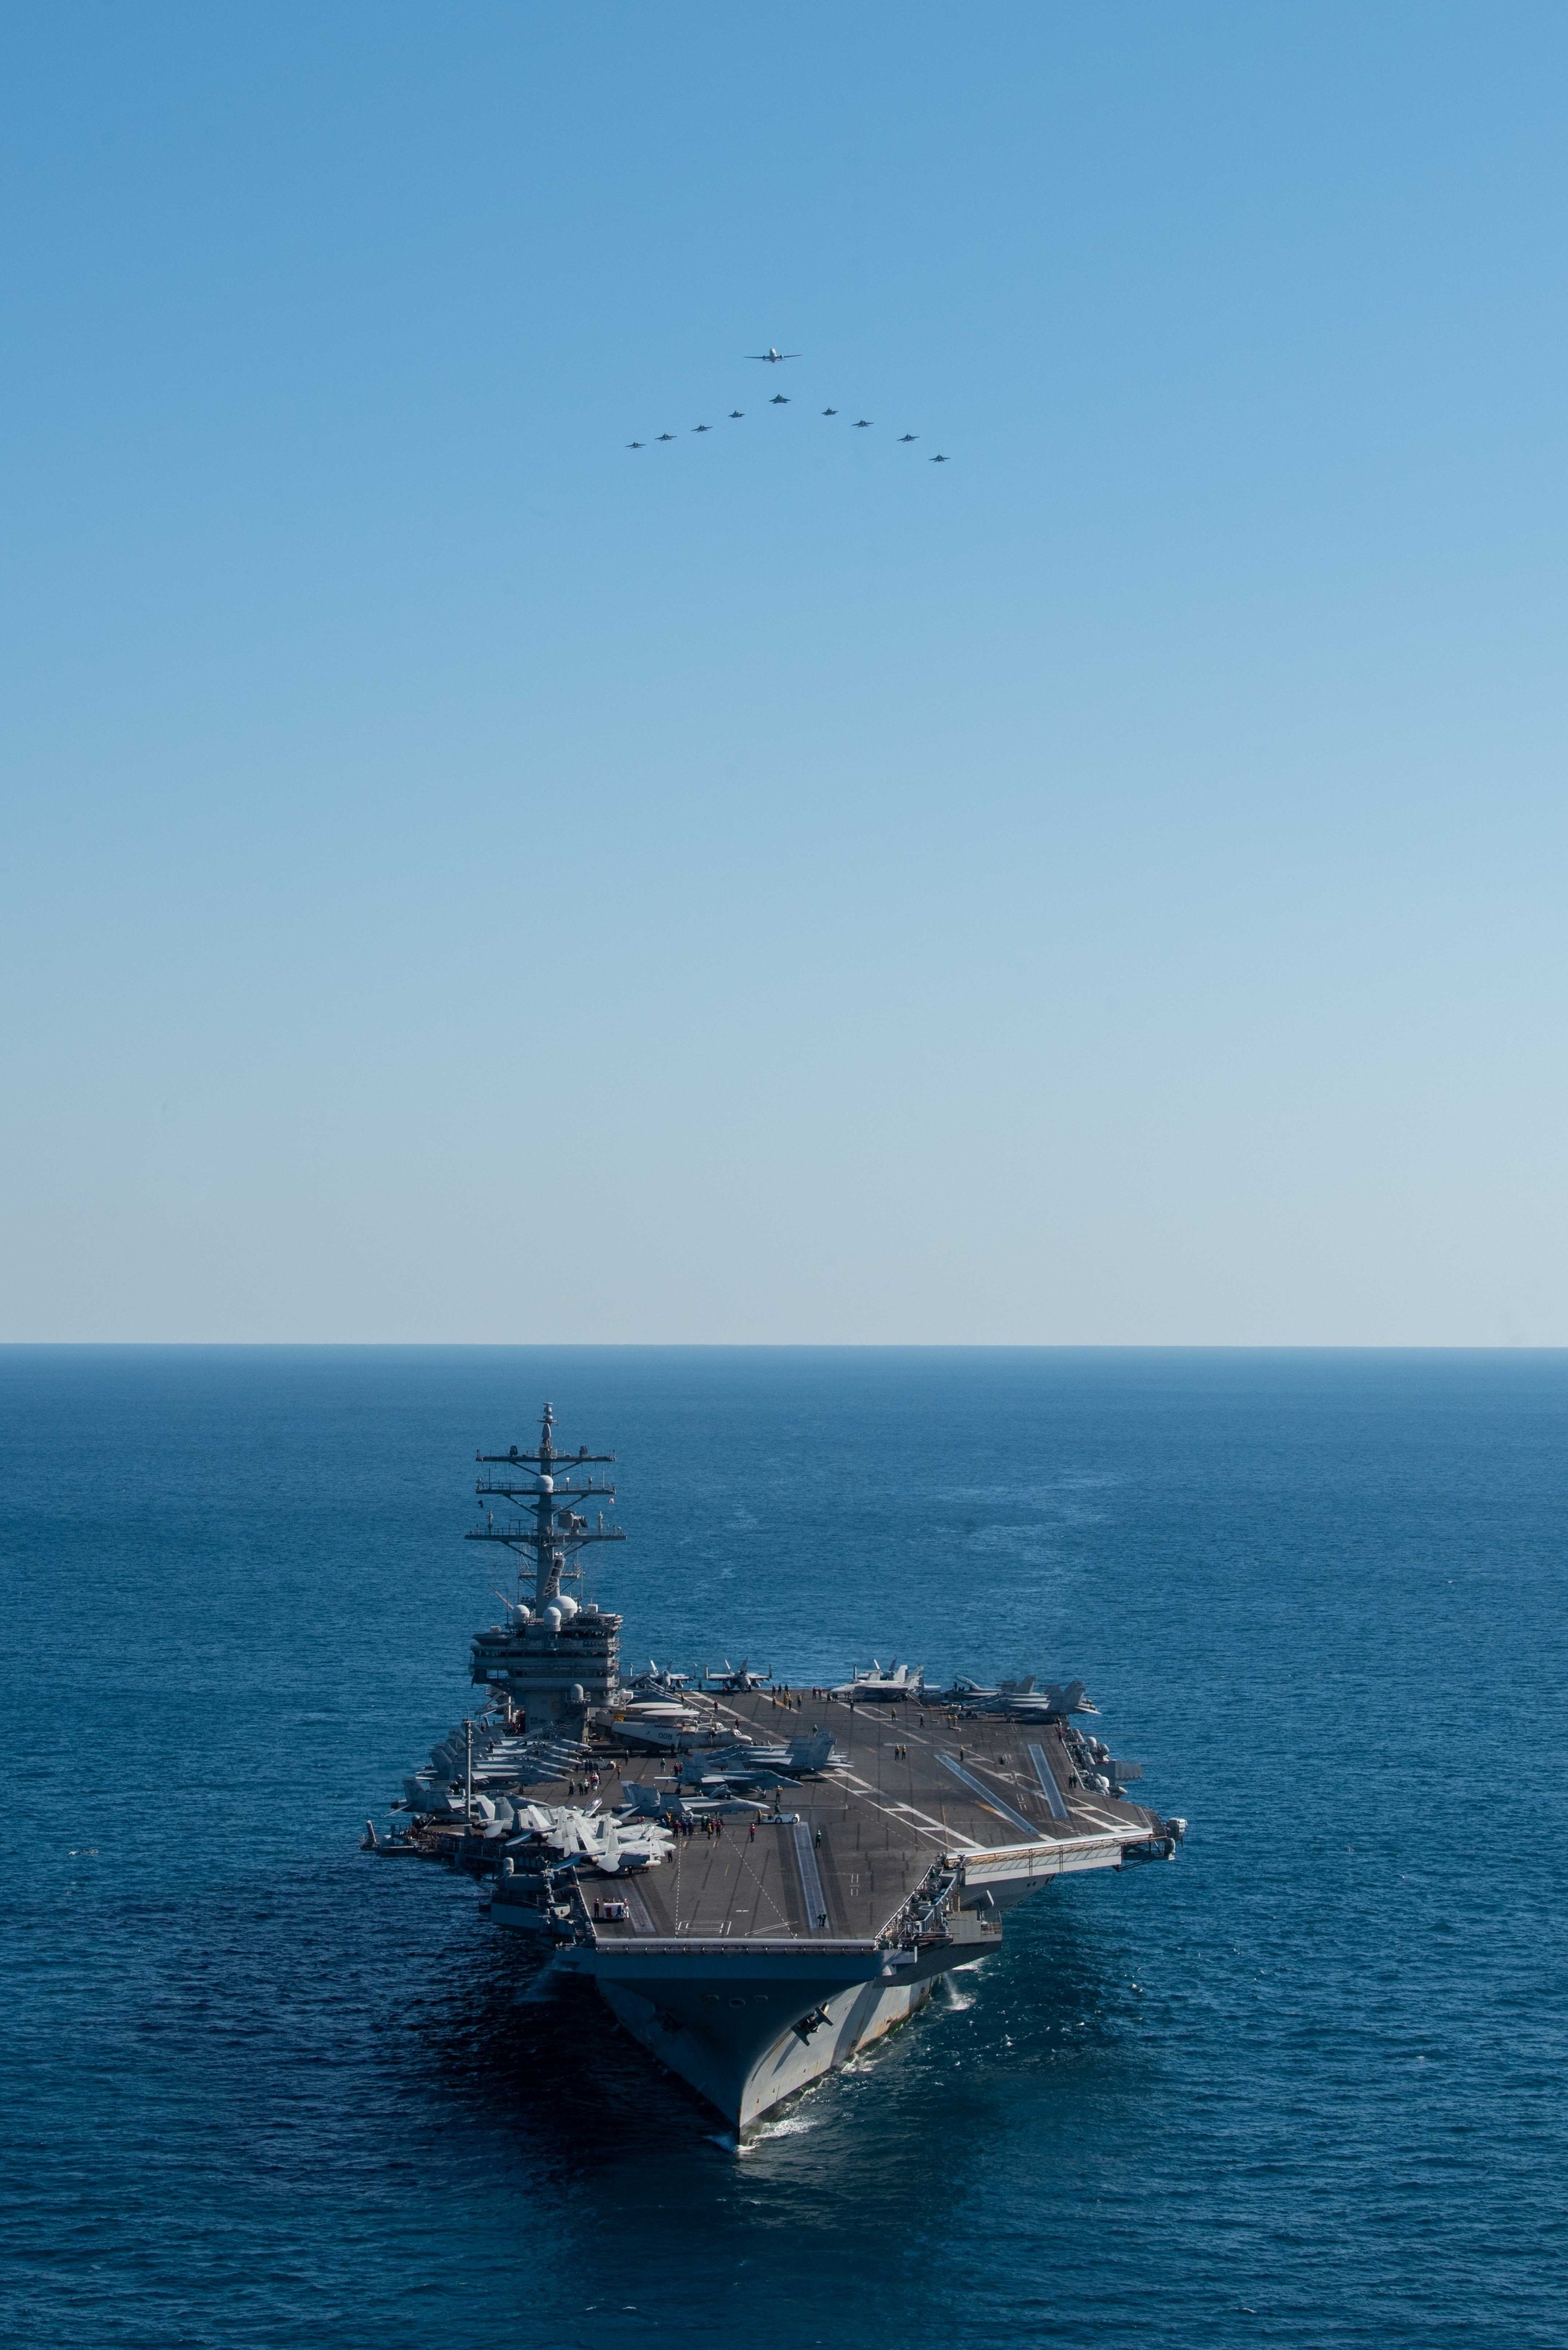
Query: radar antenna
point(546, 1543)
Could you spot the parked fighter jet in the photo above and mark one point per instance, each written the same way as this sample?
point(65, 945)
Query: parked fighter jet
point(886, 1684)
point(736, 1679)
point(1018, 1700)
point(659, 1679)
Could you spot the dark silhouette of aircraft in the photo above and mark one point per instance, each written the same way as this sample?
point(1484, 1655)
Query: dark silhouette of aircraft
point(773, 358)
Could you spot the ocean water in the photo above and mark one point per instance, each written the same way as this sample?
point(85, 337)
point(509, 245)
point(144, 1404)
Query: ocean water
point(1305, 2087)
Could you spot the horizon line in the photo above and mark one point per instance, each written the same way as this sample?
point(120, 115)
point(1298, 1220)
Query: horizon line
point(796, 1346)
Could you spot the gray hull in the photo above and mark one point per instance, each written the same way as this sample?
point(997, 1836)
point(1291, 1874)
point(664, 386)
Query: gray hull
point(749, 2024)
point(742, 2060)
point(789, 1887)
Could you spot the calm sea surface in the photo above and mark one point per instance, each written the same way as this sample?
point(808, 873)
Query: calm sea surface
point(1306, 2087)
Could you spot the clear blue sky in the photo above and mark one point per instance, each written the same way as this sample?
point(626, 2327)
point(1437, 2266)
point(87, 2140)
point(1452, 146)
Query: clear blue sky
point(467, 880)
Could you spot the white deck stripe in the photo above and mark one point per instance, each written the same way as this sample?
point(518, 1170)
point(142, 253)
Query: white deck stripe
point(1048, 1787)
point(940, 1833)
point(1014, 1819)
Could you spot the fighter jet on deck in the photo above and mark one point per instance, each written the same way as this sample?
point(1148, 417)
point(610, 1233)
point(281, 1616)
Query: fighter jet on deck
point(737, 1680)
point(770, 357)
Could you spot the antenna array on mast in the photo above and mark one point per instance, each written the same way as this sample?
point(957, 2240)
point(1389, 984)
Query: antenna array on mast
point(552, 1537)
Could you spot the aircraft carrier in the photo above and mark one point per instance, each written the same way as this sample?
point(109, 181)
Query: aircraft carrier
point(759, 1878)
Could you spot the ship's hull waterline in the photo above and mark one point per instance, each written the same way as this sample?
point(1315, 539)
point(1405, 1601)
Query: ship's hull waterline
point(749, 2029)
point(745, 2089)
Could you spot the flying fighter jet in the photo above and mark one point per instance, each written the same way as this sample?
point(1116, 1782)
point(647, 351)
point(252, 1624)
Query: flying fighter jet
point(701, 427)
point(830, 411)
point(666, 436)
point(862, 423)
point(634, 444)
point(778, 400)
point(939, 461)
point(771, 358)
point(909, 436)
point(736, 412)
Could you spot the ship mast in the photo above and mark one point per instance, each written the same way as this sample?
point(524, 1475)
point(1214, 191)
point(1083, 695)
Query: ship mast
point(556, 1534)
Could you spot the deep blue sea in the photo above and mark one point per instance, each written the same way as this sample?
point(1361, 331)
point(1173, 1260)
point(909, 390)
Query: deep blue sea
point(1305, 2087)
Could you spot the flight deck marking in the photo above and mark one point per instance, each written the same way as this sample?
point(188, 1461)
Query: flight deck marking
point(1048, 1787)
point(993, 1801)
point(642, 1921)
point(811, 1882)
point(757, 1867)
point(941, 1833)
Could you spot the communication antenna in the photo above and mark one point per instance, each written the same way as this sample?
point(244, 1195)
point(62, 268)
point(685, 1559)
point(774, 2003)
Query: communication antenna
point(548, 1540)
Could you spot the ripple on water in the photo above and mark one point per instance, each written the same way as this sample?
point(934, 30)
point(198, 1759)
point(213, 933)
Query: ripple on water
point(1301, 2088)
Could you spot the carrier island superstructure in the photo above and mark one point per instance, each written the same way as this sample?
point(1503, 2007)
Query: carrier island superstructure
point(759, 1878)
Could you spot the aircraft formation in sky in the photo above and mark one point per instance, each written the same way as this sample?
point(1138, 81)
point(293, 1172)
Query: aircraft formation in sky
point(774, 357)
